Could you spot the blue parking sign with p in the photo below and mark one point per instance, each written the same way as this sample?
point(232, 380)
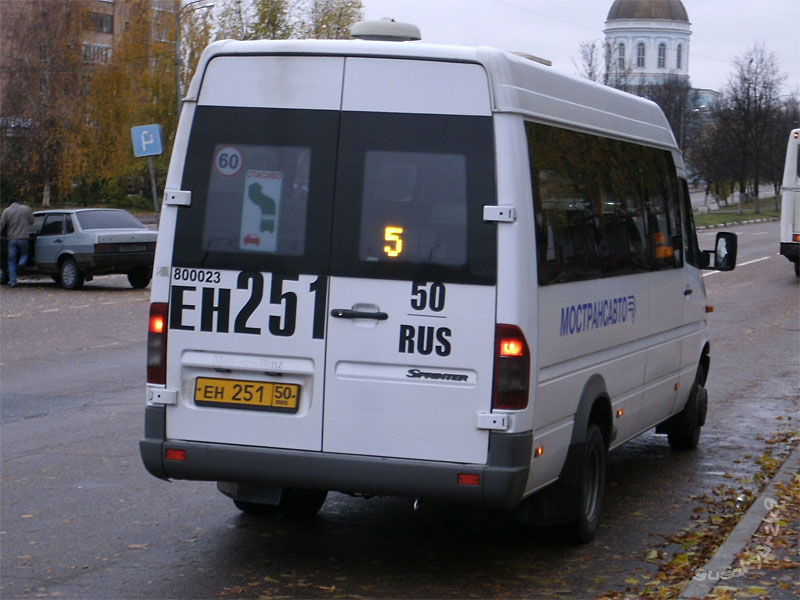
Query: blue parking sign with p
point(146, 140)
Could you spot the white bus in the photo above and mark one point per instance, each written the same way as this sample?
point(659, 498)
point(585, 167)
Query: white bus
point(425, 271)
point(790, 202)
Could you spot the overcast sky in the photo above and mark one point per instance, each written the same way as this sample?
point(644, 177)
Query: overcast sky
point(554, 29)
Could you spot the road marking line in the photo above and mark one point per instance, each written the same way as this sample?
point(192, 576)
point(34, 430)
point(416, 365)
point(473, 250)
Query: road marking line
point(744, 264)
point(750, 262)
point(104, 345)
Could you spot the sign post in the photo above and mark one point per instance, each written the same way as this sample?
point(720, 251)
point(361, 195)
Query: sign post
point(147, 142)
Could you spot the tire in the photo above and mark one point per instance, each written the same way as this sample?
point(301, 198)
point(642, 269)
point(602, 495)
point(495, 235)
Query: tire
point(294, 502)
point(591, 486)
point(797, 268)
point(140, 277)
point(684, 428)
point(70, 275)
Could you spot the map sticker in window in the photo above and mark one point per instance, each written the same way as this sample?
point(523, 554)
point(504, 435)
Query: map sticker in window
point(261, 210)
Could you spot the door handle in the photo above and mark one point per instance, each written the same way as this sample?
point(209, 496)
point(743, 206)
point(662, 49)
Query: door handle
point(344, 313)
point(688, 292)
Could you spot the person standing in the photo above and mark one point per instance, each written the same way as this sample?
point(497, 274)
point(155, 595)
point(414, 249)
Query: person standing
point(15, 223)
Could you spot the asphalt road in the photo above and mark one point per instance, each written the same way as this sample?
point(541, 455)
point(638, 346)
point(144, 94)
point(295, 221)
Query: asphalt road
point(80, 517)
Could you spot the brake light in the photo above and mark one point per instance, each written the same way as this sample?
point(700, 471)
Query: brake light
point(157, 343)
point(796, 237)
point(512, 365)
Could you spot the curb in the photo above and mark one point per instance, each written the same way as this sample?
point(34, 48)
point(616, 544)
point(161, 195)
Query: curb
point(725, 555)
point(737, 223)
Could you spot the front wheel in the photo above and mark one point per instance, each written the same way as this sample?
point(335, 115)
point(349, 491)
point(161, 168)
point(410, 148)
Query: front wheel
point(591, 486)
point(70, 275)
point(684, 428)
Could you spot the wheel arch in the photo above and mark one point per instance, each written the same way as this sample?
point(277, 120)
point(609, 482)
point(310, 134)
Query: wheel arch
point(594, 406)
point(62, 256)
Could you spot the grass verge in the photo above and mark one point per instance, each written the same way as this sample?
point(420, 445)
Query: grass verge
point(731, 214)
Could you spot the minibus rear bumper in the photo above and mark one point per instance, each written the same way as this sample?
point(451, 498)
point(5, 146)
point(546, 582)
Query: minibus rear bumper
point(501, 485)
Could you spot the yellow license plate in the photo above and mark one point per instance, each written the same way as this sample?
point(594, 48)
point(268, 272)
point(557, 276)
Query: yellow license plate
point(253, 395)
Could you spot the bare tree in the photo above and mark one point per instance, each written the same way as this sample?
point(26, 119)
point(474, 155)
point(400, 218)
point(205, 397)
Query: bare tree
point(750, 103)
point(595, 63)
point(786, 118)
point(677, 99)
point(743, 142)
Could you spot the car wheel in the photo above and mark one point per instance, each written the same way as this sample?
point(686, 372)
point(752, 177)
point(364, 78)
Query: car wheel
point(684, 428)
point(70, 275)
point(592, 481)
point(140, 277)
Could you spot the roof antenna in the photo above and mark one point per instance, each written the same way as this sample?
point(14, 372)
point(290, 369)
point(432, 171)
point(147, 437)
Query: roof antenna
point(386, 30)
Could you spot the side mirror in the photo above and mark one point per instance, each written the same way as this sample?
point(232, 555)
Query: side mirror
point(724, 252)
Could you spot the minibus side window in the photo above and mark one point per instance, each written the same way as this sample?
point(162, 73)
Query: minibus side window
point(603, 207)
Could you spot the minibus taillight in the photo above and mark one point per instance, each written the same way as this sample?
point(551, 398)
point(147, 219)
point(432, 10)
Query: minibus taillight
point(512, 366)
point(157, 343)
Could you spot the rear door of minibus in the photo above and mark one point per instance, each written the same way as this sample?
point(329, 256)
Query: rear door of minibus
point(412, 297)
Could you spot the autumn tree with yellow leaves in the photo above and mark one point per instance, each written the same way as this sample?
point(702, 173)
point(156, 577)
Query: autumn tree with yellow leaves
point(66, 118)
point(42, 74)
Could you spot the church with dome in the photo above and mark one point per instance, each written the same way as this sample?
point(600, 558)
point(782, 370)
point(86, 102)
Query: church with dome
point(647, 41)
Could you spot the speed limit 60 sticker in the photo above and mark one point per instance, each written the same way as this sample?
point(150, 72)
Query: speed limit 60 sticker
point(228, 161)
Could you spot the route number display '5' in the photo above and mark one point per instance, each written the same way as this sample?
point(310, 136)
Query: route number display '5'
point(383, 270)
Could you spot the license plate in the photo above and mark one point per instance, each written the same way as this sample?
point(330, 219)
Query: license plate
point(132, 248)
point(250, 395)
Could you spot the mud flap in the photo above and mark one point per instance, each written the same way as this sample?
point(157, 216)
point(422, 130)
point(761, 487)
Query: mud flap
point(559, 502)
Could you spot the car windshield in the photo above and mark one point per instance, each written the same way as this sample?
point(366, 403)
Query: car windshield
point(108, 219)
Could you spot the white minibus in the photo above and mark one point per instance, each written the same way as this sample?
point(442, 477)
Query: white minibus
point(790, 202)
point(397, 268)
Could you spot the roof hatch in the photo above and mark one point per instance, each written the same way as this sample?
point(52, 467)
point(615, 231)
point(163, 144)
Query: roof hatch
point(386, 30)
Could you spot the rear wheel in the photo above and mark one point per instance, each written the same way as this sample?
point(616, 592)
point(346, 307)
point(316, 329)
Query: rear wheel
point(70, 275)
point(592, 481)
point(295, 502)
point(140, 277)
